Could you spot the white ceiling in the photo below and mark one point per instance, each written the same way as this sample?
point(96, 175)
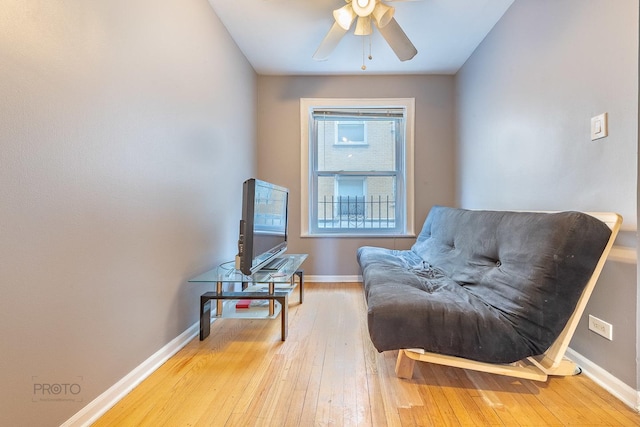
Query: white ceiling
point(279, 37)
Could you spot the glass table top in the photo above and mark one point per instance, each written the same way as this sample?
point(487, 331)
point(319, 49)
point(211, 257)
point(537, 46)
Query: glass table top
point(227, 273)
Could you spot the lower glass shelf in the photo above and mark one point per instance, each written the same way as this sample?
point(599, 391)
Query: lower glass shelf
point(258, 309)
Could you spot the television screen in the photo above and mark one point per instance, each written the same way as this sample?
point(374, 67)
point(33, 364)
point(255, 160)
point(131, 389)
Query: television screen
point(263, 228)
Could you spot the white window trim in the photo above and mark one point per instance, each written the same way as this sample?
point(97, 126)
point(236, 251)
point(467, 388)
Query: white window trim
point(306, 107)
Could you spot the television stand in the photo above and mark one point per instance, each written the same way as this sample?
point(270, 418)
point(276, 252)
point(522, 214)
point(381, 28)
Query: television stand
point(274, 287)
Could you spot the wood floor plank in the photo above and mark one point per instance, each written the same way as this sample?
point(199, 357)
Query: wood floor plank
point(327, 373)
point(406, 417)
point(510, 390)
point(405, 393)
point(304, 398)
point(387, 389)
point(361, 346)
point(567, 412)
point(312, 380)
point(481, 411)
point(439, 413)
point(450, 386)
point(538, 414)
point(583, 402)
point(614, 408)
point(222, 395)
point(422, 417)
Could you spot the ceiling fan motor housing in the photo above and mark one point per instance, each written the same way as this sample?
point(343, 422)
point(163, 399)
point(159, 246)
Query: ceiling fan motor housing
point(363, 8)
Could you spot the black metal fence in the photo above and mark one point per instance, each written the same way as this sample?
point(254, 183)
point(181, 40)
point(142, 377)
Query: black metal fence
point(350, 212)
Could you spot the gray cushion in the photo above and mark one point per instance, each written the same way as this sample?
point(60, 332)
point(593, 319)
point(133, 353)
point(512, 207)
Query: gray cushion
point(492, 286)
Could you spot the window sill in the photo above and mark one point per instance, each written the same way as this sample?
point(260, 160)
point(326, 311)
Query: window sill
point(359, 236)
point(351, 144)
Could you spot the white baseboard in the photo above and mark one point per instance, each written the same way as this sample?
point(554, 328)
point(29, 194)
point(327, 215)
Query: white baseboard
point(325, 279)
point(623, 254)
point(101, 404)
point(604, 379)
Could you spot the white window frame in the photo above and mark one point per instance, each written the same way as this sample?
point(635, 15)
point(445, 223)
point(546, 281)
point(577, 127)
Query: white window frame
point(307, 105)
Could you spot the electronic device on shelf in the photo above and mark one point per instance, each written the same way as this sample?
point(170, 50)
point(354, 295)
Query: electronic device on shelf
point(263, 227)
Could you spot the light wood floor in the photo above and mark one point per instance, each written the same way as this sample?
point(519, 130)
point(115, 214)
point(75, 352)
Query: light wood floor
point(327, 373)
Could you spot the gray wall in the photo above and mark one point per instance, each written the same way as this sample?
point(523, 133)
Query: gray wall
point(122, 159)
point(524, 103)
point(279, 151)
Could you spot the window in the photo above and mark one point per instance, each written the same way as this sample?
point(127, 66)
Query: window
point(350, 133)
point(357, 167)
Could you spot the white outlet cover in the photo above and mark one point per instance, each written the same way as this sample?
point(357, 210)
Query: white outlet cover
point(599, 126)
point(601, 327)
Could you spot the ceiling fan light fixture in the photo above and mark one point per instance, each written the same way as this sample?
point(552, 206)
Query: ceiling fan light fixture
point(363, 26)
point(366, 11)
point(344, 16)
point(363, 8)
point(383, 14)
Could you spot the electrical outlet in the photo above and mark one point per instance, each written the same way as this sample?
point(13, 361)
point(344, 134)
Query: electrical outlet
point(601, 327)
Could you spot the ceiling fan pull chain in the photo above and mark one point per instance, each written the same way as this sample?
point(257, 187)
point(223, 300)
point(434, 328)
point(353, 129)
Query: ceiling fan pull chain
point(364, 67)
point(370, 56)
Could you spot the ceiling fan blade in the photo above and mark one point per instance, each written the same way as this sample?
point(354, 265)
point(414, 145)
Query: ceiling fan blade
point(329, 42)
point(398, 40)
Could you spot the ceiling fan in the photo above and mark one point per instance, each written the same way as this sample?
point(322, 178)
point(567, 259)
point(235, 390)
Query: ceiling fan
point(366, 11)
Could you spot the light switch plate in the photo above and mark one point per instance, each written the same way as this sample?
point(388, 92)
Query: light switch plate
point(599, 127)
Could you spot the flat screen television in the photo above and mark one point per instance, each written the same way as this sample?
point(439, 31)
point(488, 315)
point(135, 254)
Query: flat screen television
point(263, 227)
